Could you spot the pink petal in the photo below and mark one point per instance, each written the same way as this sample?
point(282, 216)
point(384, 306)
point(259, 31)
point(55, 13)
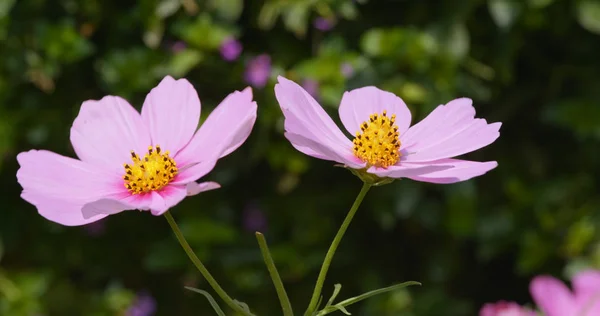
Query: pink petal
point(450, 130)
point(552, 296)
point(225, 129)
point(105, 132)
point(59, 210)
point(318, 150)
point(194, 172)
point(586, 285)
point(172, 113)
point(194, 188)
point(166, 198)
point(407, 170)
point(460, 170)
point(307, 119)
point(357, 105)
point(59, 186)
point(104, 207)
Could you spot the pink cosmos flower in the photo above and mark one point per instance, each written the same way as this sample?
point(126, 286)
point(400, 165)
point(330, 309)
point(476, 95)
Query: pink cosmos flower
point(503, 308)
point(128, 160)
point(384, 146)
point(555, 299)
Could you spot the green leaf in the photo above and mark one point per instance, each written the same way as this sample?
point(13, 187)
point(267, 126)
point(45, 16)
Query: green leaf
point(184, 61)
point(210, 299)
point(228, 9)
point(341, 306)
point(336, 291)
point(588, 15)
point(166, 8)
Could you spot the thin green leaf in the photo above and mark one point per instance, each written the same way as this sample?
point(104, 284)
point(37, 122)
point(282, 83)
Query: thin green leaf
point(341, 305)
point(336, 291)
point(243, 305)
point(210, 299)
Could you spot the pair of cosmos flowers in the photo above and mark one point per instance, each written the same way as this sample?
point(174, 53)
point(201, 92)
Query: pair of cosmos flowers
point(152, 160)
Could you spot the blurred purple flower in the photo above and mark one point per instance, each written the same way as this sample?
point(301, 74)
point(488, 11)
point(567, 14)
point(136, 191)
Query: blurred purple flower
point(178, 46)
point(254, 218)
point(347, 70)
point(231, 49)
point(144, 305)
point(312, 87)
point(323, 24)
point(258, 70)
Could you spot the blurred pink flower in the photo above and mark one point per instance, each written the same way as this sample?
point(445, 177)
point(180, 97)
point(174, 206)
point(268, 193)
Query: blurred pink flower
point(555, 299)
point(258, 71)
point(312, 87)
point(130, 161)
point(503, 308)
point(347, 70)
point(384, 146)
point(231, 49)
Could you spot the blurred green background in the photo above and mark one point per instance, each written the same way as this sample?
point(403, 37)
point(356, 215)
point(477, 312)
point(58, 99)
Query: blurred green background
point(531, 64)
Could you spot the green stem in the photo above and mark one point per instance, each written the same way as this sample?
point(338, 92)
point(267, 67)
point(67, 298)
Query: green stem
point(331, 252)
point(283, 298)
point(188, 250)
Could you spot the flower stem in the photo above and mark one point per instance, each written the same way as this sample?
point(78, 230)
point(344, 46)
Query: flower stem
point(331, 252)
point(188, 250)
point(286, 306)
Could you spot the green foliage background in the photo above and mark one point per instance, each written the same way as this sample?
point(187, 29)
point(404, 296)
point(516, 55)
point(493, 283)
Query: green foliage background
point(532, 65)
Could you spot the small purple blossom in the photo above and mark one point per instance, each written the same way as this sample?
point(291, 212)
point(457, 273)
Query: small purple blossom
point(144, 305)
point(323, 24)
point(231, 49)
point(254, 218)
point(258, 70)
point(312, 87)
point(347, 70)
point(178, 46)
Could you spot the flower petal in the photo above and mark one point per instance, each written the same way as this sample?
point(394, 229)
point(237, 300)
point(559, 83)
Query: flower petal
point(460, 170)
point(104, 207)
point(59, 186)
point(172, 113)
point(166, 198)
point(586, 285)
point(450, 130)
point(357, 105)
point(321, 151)
point(552, 296)
point(194, 188)
point(59, 210)
point(194, 172)
point(307, 119)
point(105, 132)
point(225, 129)
point(406, 170)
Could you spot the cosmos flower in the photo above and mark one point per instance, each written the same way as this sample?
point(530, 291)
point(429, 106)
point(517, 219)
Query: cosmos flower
point(230, 49)
point(554, 298)
point(127, 160)
point(258, 71)
point(384, 146)
point(503, 308)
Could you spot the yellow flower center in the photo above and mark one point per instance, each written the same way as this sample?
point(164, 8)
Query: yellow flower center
point(377, 143)
point(153, 172)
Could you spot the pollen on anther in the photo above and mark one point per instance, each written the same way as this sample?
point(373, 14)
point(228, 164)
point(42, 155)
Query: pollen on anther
point(152, 172)
point(377, 143)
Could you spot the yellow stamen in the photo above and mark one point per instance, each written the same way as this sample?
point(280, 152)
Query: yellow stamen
point(377, 143)
point(151, 173)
